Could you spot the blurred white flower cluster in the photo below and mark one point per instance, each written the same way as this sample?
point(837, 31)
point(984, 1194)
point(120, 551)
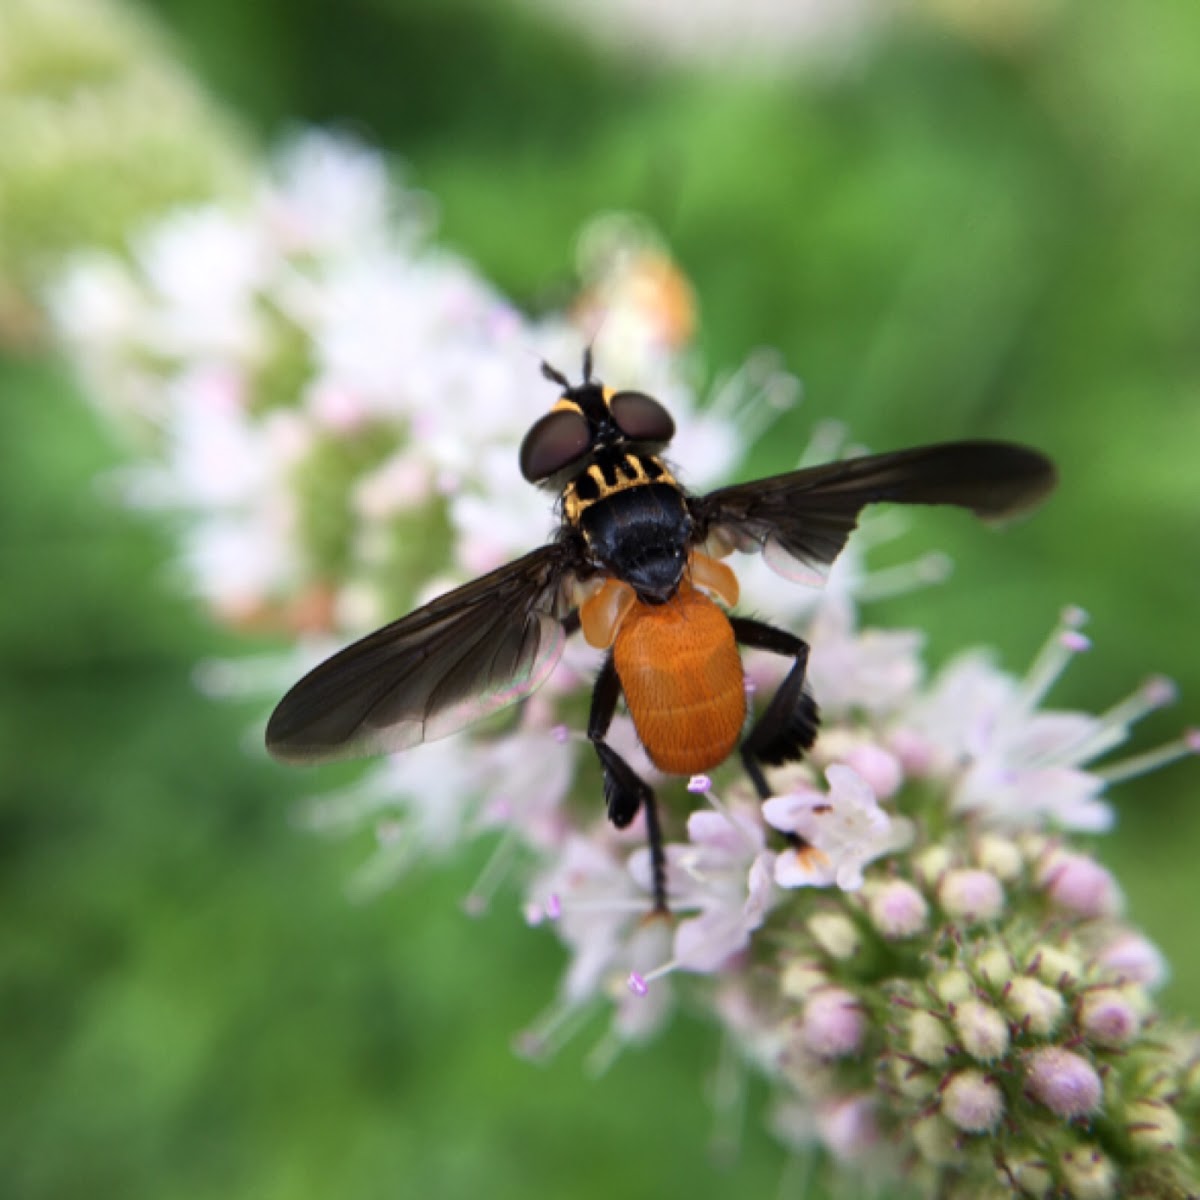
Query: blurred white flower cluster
point(334, 401)
point(905, 936)
point(766, 35)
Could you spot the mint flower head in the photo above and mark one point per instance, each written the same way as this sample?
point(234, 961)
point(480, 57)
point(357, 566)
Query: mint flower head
point(908, 937)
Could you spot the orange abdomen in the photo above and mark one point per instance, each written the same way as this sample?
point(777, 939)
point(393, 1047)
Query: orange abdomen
point(682, 676)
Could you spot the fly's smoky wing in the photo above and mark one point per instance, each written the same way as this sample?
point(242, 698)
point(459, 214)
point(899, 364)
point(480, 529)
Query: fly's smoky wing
point(462, 656)
point(801, 520)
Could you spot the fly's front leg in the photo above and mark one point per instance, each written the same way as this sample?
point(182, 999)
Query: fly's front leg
point(788, 725)
point(625, 792)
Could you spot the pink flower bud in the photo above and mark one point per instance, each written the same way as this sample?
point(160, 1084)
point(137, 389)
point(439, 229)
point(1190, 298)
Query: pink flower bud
point(972, 1102)
point(1080, 884)
point(1109, 1018)
point(848, 1127)
point(971, 895)
point(1034, 1006)
point(1089, 1174)
point(982, 1031)
point(1066, 1083)
point(1133, 957)
point(898, 910)
point(878, 767)
point(833, 1024)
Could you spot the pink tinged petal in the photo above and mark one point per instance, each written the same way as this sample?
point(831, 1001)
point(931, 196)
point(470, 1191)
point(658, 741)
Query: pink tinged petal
point(1048, 737)
point(758, 899)
point(1066, 1083)
point(1018, 797)
point(731, 836)
point(641, 868)
point(706, 943)
point(783, 812)
point(847, 786)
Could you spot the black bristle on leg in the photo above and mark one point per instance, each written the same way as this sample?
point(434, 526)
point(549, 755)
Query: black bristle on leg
point(796, 734)
point(789, 724)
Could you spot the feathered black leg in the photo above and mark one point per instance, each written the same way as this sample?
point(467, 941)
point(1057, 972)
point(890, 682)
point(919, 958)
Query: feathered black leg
point(788, 726)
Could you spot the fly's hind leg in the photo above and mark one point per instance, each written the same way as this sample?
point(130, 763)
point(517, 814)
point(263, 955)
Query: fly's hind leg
point(625, 792)
point(788, 726)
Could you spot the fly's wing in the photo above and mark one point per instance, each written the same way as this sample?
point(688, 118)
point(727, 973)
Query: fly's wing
point(801, 520)
point(460, 657)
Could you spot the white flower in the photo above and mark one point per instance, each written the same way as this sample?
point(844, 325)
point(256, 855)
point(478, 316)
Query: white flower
point(845, 830)
point(724, 874)
point(872, 671)
point(429, 790)
point(525, 777)
point(203, 268)
point(598, 903)
point(332, 197)
point(1013, 764)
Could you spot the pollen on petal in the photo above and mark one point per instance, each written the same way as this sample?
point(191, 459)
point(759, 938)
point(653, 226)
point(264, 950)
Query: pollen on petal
point(805, 866)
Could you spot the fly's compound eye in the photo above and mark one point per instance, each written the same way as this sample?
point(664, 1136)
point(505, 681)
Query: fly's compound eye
point(641, 418)
point(556, 441)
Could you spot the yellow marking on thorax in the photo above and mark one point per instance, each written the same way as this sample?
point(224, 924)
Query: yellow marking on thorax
point(630, 472)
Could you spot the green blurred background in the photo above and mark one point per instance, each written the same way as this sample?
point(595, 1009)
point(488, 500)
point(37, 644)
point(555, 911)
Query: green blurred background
point(986, 230)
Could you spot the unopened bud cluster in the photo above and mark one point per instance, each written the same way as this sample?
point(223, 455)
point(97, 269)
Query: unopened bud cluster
point(969, 1000)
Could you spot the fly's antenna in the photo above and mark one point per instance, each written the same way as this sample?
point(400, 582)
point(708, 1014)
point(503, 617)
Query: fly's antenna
point(555, 376)
point(587, 363)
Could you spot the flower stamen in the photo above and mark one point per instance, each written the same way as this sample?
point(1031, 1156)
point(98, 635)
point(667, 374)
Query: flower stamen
point(551, 1030)
point(1151, 760)
point(932, 568)
point(1112, 727)
point(481, 894)
point(1051, 660)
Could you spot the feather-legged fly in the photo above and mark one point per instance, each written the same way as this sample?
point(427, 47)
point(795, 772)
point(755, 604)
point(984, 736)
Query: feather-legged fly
point(636, 565)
